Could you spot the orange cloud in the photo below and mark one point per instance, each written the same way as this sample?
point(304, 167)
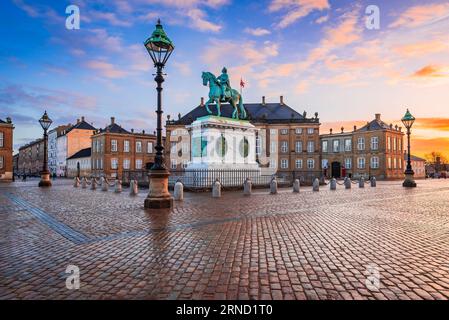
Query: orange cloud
point(422, 146)
point(441, 124)
point(297, 9)
point(421, 14)
point(429, 71)
point(420, 48)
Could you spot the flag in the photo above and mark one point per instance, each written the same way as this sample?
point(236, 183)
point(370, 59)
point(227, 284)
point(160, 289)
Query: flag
point(242, 84)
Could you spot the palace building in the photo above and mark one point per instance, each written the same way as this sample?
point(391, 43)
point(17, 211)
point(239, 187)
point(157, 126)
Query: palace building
point(376, 149)
point(115, 150)
point(6, 150)
point(286, 140)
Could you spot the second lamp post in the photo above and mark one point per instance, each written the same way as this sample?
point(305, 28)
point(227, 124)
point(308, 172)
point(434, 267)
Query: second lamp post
point(408, 121)
point(45, 122)
point(160, 47)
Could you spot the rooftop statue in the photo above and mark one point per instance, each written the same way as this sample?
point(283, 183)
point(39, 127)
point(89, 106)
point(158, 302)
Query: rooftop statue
point(220, 91)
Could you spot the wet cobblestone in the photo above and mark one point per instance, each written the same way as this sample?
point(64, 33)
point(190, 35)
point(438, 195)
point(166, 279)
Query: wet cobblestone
point(312, 245)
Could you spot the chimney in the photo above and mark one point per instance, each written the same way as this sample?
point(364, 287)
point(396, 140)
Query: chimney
point(378, 116)
point(202, 102)
point(355, 128)
point(112, 120)
point(82, 118)
point(330, 130)
point(132, 130)
point(282, 100)
point(8, 120)
point(263, 100)
point(342, 129)
point(143, 131)
point(77, 121)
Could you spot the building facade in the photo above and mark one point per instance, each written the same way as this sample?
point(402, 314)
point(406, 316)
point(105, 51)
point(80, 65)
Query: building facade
point(6, 150)
point(31, 158)
point(418, 166)
point(115, 150)
point(286, 140)
point(53, 136)
point(79, 164)
point(376, 150)
point(69, 142)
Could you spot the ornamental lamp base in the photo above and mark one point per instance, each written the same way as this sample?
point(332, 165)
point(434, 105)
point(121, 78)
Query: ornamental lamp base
point(409, 182)
point(45, 179)
point(158, 195)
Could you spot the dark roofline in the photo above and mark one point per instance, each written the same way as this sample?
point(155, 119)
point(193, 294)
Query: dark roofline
point(83, 153)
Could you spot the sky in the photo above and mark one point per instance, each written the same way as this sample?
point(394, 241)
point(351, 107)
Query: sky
point(319, 54)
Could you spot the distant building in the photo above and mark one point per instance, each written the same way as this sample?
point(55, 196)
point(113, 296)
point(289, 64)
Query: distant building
point(115, 150)
point(286, 140)
point(79, 164)
point(418, 165)
point(65, 141)
point(376, 149)
point(31, 158)
point(6, 150)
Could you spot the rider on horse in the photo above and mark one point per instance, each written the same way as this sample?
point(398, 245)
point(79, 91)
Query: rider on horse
point(225, 84)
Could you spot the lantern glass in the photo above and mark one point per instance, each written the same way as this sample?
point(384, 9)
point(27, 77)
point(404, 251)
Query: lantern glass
point(45, 121)
point(159, 46)
point(408, 119)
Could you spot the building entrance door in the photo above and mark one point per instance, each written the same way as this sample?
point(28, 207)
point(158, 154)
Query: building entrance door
point(336, 169)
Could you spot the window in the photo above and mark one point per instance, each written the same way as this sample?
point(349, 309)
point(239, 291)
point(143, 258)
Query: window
point(400, 162)
point(324, 145)
point(310, 163)
point(298, 130)
point(258, 147)
point(389, 163)
point(126, 164)
point(284, 164)
point(114, 145)
point(389, 143)
point(126, 146)
point(185, 148)
point(273, 132)
point(361, 143)
point(375, 162)
point(284, 146)
point(273, 147)
point(184, 164)
point(298, 163)
point(173, 163)
point(101, 164)
point(361, 163)
point(395, 164)
point(149, 147)
point(284, 131)
point(173, 147)
point(114, 163)
point(394, 144)
point(138, 146)
point(348, 163)
point(310, 146)
point(324, 163)
point(174, 133)
point(138, 164)
point(298, 146)
point(1, 162)
point(310, 130)
point(1, 140)
point(336, 145)
point(273, 163)
point(348, 144)
point(374, 143)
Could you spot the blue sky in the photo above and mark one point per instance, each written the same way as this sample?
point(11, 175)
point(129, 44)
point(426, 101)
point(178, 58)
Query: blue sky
point(317, 53)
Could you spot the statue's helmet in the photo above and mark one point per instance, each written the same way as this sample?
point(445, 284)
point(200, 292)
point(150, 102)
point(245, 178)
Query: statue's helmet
point(224, 70)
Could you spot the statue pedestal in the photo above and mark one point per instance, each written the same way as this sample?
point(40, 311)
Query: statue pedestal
point(223, 145)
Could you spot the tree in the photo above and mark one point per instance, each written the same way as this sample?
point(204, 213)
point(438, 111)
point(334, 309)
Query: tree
point(432, 157)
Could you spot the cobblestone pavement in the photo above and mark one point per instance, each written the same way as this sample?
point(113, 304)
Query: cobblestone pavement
point(312, 245)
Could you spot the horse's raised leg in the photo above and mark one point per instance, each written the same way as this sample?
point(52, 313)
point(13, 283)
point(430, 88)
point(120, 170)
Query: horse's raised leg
point(207, 106)
point(235, 114)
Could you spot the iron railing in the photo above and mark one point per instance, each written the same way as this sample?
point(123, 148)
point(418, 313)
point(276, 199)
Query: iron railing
point(197, 179)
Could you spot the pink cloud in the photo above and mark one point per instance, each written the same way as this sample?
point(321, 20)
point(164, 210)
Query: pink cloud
point(106, 69)
point(421, 14)
point(296, 9)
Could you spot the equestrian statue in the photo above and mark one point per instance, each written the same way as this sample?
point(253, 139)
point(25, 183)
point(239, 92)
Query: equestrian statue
point(220, 91)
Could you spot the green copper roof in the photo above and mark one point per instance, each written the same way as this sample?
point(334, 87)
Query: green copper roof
point(408, 116)
point(159, 39)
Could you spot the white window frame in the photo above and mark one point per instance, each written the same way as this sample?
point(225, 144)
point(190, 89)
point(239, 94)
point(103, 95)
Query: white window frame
point(298, 163)
point(298, 130)
point(258, 146)
point(126, 164)
point(114, 163)
point(310, 146)
point(374, 163)
point(325, 146)
point(149, 147)
point(310, 130)
point(310, 164)
point(283, 131)
point(348, 146)
point(114, 145)
point(138, 146)
point(2, 161)
point(336, 145)
point(348, 163)
point(298, 146)
point(139, 164)
point(360, 143)
point(361, 163)
point(126, 146)
point(173, 164)
point(375, 143)
point(284, 146)
point(284, 163)
point(2, 139)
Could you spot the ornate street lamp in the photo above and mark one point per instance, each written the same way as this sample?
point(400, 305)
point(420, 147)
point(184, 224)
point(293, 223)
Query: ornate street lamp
point(45, 122)
point(160, 47)
point(408, 121)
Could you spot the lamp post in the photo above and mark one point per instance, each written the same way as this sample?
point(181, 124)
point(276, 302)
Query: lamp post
point(408, 121)
point(160, 47)
point(45, 122)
